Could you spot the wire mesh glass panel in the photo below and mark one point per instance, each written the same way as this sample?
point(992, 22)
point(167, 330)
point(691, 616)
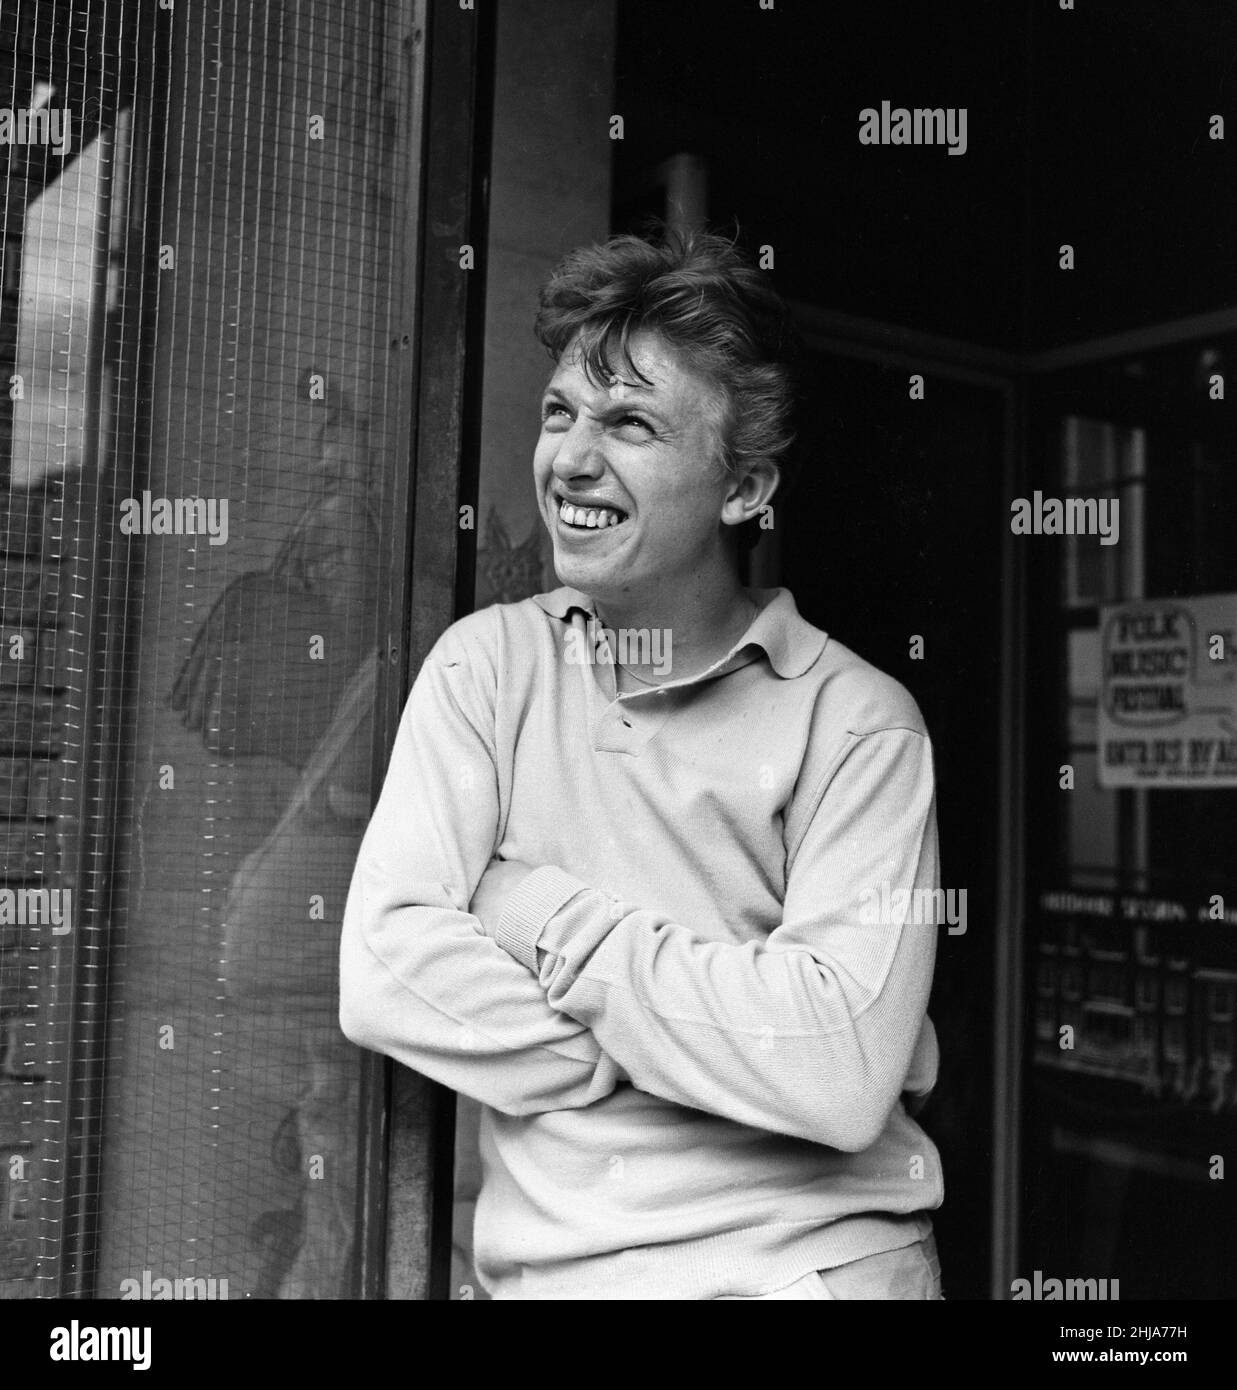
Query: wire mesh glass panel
point(205, 302)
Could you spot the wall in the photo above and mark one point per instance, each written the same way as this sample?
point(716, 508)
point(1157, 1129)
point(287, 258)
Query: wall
point(550, 192)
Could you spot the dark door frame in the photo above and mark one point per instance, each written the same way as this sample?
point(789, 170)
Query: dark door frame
point(404, 1200)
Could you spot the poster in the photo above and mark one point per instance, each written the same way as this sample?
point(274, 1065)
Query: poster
point(1168, 693)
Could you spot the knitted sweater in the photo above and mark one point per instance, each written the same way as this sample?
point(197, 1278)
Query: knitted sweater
point(695, 1025)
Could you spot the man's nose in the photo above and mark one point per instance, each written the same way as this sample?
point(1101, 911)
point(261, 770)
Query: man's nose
point(579, 452)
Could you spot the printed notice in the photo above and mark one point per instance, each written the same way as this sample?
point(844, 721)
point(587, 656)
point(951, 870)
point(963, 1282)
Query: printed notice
point(1168, 693)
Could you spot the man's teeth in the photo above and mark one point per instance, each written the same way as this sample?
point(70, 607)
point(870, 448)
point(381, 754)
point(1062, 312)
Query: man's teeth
point(596, 517)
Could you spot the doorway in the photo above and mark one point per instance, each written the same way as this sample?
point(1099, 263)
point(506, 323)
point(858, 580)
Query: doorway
point(893, 540)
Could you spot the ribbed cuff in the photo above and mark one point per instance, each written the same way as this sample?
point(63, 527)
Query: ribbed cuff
point(530, 907)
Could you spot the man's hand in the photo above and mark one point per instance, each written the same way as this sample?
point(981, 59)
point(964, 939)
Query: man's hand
point(501, 878)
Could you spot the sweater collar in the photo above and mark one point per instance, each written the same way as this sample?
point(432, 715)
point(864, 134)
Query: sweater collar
point(790, 642)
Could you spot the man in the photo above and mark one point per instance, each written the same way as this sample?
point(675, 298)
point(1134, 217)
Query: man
point(618, 884)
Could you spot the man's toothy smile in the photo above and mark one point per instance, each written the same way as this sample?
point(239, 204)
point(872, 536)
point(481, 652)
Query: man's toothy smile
point(584, 516)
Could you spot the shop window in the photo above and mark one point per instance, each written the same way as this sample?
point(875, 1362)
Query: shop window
point(1129, 1003)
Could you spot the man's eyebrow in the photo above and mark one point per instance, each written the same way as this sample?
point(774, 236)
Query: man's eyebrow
point(610, 408)
point(616, 410)
point(628, 407)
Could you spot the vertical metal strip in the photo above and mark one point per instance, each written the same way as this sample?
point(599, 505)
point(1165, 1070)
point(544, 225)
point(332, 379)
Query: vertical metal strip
point(1011, 871)
point(107, 707)
point(86, 1016)
point(404, 63)
point(403, 60)
point(470, 358)
point(407, 1146)
point(422, 1114)
point(1011, 834)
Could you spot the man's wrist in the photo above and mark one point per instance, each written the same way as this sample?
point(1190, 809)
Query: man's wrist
point(528, 908)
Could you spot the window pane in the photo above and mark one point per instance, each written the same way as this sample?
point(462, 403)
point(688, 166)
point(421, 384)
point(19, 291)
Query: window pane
point(203, 562)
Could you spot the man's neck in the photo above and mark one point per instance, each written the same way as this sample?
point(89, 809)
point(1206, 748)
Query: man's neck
point(699, 624)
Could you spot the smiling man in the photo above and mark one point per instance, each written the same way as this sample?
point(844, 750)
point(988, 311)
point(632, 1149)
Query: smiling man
point(620, 901)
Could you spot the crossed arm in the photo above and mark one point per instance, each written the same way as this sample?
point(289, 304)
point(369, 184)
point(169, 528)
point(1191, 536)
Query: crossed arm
point(532, 990)
point(419, 979)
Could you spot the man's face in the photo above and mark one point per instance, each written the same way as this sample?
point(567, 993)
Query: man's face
point(642, 459)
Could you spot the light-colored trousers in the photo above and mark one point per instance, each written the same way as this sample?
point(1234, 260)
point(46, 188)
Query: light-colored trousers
point(912, 1272)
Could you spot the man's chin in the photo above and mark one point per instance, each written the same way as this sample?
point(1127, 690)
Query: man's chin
point(574, 574)
point(595, 580)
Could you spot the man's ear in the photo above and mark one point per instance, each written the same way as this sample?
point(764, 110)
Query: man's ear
point(750, 493)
